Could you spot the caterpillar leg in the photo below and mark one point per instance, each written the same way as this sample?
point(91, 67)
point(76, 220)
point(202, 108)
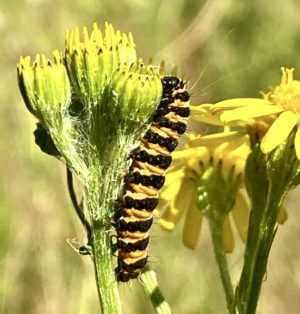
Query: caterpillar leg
point(82, 249)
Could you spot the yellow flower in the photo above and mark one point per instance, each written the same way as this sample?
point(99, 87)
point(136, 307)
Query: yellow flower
point(223, 155)
point(274, 116)
point(182, 191)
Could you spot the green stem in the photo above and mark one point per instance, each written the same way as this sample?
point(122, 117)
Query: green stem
point(105, 275)
point(257, 254)
point(257, 185)
point(149, 279)
point(216, 229)
point(268, 180)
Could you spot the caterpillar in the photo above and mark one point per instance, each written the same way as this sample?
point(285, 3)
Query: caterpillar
point(146, 177)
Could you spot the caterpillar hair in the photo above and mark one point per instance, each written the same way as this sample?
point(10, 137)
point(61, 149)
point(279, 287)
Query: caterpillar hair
point(146, 177)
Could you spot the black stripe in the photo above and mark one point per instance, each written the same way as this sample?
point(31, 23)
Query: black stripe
point(133, 226)
point(139, 245)
point(183, 96)
point(164, 102)
point(179, 127)
point(158, 160)
point(125, 276)
point(181, 111)
point(163, 107)
point(139, 155)
point(161, 161)
point(148, 203)
point(147, 180)
point(167, 142)
point(160, 112)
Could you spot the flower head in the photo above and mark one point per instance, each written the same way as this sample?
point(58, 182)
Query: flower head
point(205, 167)
point(273, 117)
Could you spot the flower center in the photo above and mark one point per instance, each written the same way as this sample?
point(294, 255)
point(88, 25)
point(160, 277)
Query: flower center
point(287, 94)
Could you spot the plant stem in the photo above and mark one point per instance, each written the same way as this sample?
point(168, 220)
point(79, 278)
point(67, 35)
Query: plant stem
point(257, 185)
point(267, 233)
point(149, 279)
point(257, 253)
point(216, 229)
point(268, 180)
point(105, 275)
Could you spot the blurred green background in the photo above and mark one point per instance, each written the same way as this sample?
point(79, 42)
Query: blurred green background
point(226, 48)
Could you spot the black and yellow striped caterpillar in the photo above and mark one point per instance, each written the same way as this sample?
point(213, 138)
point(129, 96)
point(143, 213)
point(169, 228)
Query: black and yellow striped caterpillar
point(146, 177)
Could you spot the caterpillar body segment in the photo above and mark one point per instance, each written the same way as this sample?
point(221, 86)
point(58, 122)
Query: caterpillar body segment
point(146, 176)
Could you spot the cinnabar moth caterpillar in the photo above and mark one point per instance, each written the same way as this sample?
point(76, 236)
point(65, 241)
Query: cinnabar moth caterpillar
point(146, 177)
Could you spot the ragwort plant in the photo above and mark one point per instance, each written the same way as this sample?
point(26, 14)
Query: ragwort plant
point(95, 101)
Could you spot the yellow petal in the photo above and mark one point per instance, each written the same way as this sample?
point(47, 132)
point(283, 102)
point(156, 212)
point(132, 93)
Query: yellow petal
point(168, 193)
point(209, 119)
point(167, 225)
point(279, 131)
point(157, 209)
point(192, 226)
point(174, 173)
point(202, 109)
point(215, 139)
point(249, 112)
point(297, 143)
point(200, 158)
point(234, 153)
point(228, 240)
point(179, 154)
point(240, 213)
point(239, 102)
point(177, 208)
point(202, 113)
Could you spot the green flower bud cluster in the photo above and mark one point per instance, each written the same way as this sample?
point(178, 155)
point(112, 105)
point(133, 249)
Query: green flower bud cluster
point(94, 97)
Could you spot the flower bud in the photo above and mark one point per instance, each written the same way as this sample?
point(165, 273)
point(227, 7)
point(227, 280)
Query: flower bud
point(44, 86)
